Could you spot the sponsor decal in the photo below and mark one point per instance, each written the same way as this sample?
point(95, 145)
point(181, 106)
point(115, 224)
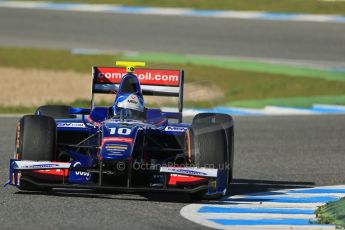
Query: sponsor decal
point(70, 125)
point(175, 129)
point(114, 149)
point(176, 179)
point(133, 99)
point(117, 147)
point(201, 172)
point(117, 139)
point(54, 172)
point(189, 172)
point(85, 174)
point(178, 175)
point(145, 76)
point(81, 173)
point(41, 166)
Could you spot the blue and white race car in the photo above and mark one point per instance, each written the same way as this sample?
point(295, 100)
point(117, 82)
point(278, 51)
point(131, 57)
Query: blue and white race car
point(125, 147)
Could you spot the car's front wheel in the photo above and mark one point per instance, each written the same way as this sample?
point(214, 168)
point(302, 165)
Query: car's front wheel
point(212, 141)
point(35, 140)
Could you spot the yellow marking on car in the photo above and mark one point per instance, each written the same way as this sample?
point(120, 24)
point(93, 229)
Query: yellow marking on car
point(17, 141)
point(189, 146)
point(116, 147)
point(130, 66)
point(19, 175)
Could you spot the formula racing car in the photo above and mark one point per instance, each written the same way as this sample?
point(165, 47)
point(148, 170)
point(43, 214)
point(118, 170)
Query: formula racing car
point(125, 147)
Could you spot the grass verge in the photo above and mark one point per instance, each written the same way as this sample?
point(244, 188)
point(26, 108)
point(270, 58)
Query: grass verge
point(332, 213)
point(27, 58)
point(291, 6)
point(237, 64)
point(239, 86)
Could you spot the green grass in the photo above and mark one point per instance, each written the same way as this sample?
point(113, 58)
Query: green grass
point(244, 85)
point(294, 6)
point(17, 110)
point(332, 213)
point(238, 64)
point(51, 59)
point(240, 87)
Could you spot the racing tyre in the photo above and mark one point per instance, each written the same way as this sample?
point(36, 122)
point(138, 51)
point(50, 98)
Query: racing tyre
point(55, 111)
point(213, 141)
point(35, 140)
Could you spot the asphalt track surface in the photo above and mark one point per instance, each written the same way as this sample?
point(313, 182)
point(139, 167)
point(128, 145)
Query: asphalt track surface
point(270, 153)
point(307, 41)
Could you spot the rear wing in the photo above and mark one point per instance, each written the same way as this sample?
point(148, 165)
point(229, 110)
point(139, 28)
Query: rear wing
point(155, 82)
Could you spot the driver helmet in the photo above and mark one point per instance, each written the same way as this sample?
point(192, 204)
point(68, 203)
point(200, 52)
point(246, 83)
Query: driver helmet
point(129, 106)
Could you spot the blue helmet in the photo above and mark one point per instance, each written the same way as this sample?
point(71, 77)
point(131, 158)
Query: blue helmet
point(129, 102)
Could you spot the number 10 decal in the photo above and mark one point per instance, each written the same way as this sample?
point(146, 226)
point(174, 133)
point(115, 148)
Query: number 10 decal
point(120, 131)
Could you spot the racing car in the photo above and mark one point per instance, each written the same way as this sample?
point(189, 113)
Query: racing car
point(125, 147)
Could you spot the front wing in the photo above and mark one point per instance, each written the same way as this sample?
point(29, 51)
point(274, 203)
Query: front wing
point(49, 175)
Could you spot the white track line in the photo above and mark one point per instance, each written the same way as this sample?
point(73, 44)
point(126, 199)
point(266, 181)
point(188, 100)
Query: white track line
point(276, 208)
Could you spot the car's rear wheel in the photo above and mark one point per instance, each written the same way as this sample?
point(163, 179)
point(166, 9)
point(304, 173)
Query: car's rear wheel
point(35, 140)
point(55, 111)
point(213, 136)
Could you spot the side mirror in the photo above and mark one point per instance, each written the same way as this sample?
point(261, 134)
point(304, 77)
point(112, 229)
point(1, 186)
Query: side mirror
point(82, 111)
point(99, 114)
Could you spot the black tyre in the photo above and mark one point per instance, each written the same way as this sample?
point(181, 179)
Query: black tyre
point(213, 141)
point(35, 140)
point(55, 111)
